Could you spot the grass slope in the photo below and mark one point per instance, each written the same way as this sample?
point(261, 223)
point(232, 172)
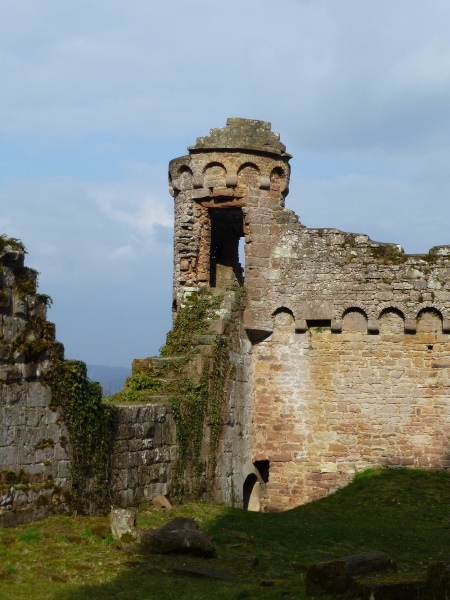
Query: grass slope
point(403, 512)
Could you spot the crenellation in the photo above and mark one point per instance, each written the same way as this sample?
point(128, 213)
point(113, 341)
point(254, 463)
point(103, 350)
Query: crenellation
point(337, 349)
point(344, 331)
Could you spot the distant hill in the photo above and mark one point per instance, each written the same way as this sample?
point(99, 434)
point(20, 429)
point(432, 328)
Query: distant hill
point(112, 379)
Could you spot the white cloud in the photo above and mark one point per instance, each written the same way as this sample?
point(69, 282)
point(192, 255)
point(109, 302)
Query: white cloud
point(358, 90)
point(123, 252)
point(134, 208)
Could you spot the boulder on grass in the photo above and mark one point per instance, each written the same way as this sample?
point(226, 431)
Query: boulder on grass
point(123, 523)
point(179, 536)
point(161, 502)
point(336, 576)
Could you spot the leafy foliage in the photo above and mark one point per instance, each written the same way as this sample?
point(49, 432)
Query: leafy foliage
point(13, 243)
point(196, 403)
point(91, 425)
point(192, 319)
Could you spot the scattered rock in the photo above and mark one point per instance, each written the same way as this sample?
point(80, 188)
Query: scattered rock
point(179, 536)
point(161, 502)
point(336, 576)
point(123, 523)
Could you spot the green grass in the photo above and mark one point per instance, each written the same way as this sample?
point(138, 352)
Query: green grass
point(403, 512)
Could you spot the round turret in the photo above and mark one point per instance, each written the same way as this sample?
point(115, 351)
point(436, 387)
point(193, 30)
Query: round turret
point(243, 165)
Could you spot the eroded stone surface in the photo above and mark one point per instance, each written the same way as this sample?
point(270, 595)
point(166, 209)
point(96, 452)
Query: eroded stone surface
point(342, 352)
point(179, 536)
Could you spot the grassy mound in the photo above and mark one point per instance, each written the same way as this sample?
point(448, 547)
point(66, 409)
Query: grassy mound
point(405, 513)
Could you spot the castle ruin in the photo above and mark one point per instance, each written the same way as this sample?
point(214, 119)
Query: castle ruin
point(343, 352)
point(338, 354)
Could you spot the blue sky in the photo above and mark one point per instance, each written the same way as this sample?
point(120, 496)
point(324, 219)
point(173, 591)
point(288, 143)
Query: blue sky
point(97, 97)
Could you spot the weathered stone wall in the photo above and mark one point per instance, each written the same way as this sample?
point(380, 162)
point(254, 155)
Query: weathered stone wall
point(350, 357)
point(328, 405)
point(34, 464)
point(338, 353)
point(143, 453)
point(234, 454)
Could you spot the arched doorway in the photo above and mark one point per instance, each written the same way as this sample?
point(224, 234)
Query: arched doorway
point(251, 495)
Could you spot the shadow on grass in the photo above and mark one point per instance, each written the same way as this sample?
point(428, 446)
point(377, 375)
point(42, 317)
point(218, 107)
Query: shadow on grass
point(405, 513)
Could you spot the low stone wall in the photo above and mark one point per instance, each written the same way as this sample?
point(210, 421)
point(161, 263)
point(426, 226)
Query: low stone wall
point(143, 452)
point(34, 475)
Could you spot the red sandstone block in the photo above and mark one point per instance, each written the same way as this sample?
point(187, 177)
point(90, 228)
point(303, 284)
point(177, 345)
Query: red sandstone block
point(282, 457)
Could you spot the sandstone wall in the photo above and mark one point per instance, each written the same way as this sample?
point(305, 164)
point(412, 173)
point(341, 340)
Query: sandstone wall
point(328, 405)
point(350, 349)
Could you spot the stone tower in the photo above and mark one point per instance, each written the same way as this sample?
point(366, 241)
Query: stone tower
point(226, 175)
point(341, 355)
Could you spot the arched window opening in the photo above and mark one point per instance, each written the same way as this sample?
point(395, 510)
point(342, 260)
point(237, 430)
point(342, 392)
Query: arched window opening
point(227, 228)
point(263, 469)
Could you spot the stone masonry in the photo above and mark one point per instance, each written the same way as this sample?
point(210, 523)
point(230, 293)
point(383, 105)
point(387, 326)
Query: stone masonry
point(343, 344)
point(144, 449)
point(338, 349)
point(34, 460)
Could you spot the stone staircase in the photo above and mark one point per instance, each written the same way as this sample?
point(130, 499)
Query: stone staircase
point(152, 379)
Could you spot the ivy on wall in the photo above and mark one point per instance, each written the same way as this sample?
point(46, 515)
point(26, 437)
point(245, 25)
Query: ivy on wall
point(197, 402)
point(91, 427)
point(90, 423)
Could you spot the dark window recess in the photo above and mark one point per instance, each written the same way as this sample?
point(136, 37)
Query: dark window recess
point(226, 230)
point(318, 323)
point(263, 469)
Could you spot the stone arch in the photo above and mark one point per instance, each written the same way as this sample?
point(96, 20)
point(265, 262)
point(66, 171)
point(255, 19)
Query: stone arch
point(283, 319)
point(436, 306)
point(354, 318)
point(183, 179)
point(392, 321)
point(251, 493)
point(354, 306)
point(429, 320)
point(215, 175)
point(282, 309)
point(248, 175)
point(278, 181)
point(389, 307)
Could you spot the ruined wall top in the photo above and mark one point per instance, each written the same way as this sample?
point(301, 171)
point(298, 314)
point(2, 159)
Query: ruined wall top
point(242, 134)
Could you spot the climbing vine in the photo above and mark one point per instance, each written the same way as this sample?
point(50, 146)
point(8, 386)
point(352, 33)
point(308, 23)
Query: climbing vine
point(196, 401)
point(193, 318)
point(90, 424)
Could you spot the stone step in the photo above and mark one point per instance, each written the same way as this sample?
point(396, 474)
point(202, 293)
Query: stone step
point(147, 396)
point(157, 364)
point(204, 340)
